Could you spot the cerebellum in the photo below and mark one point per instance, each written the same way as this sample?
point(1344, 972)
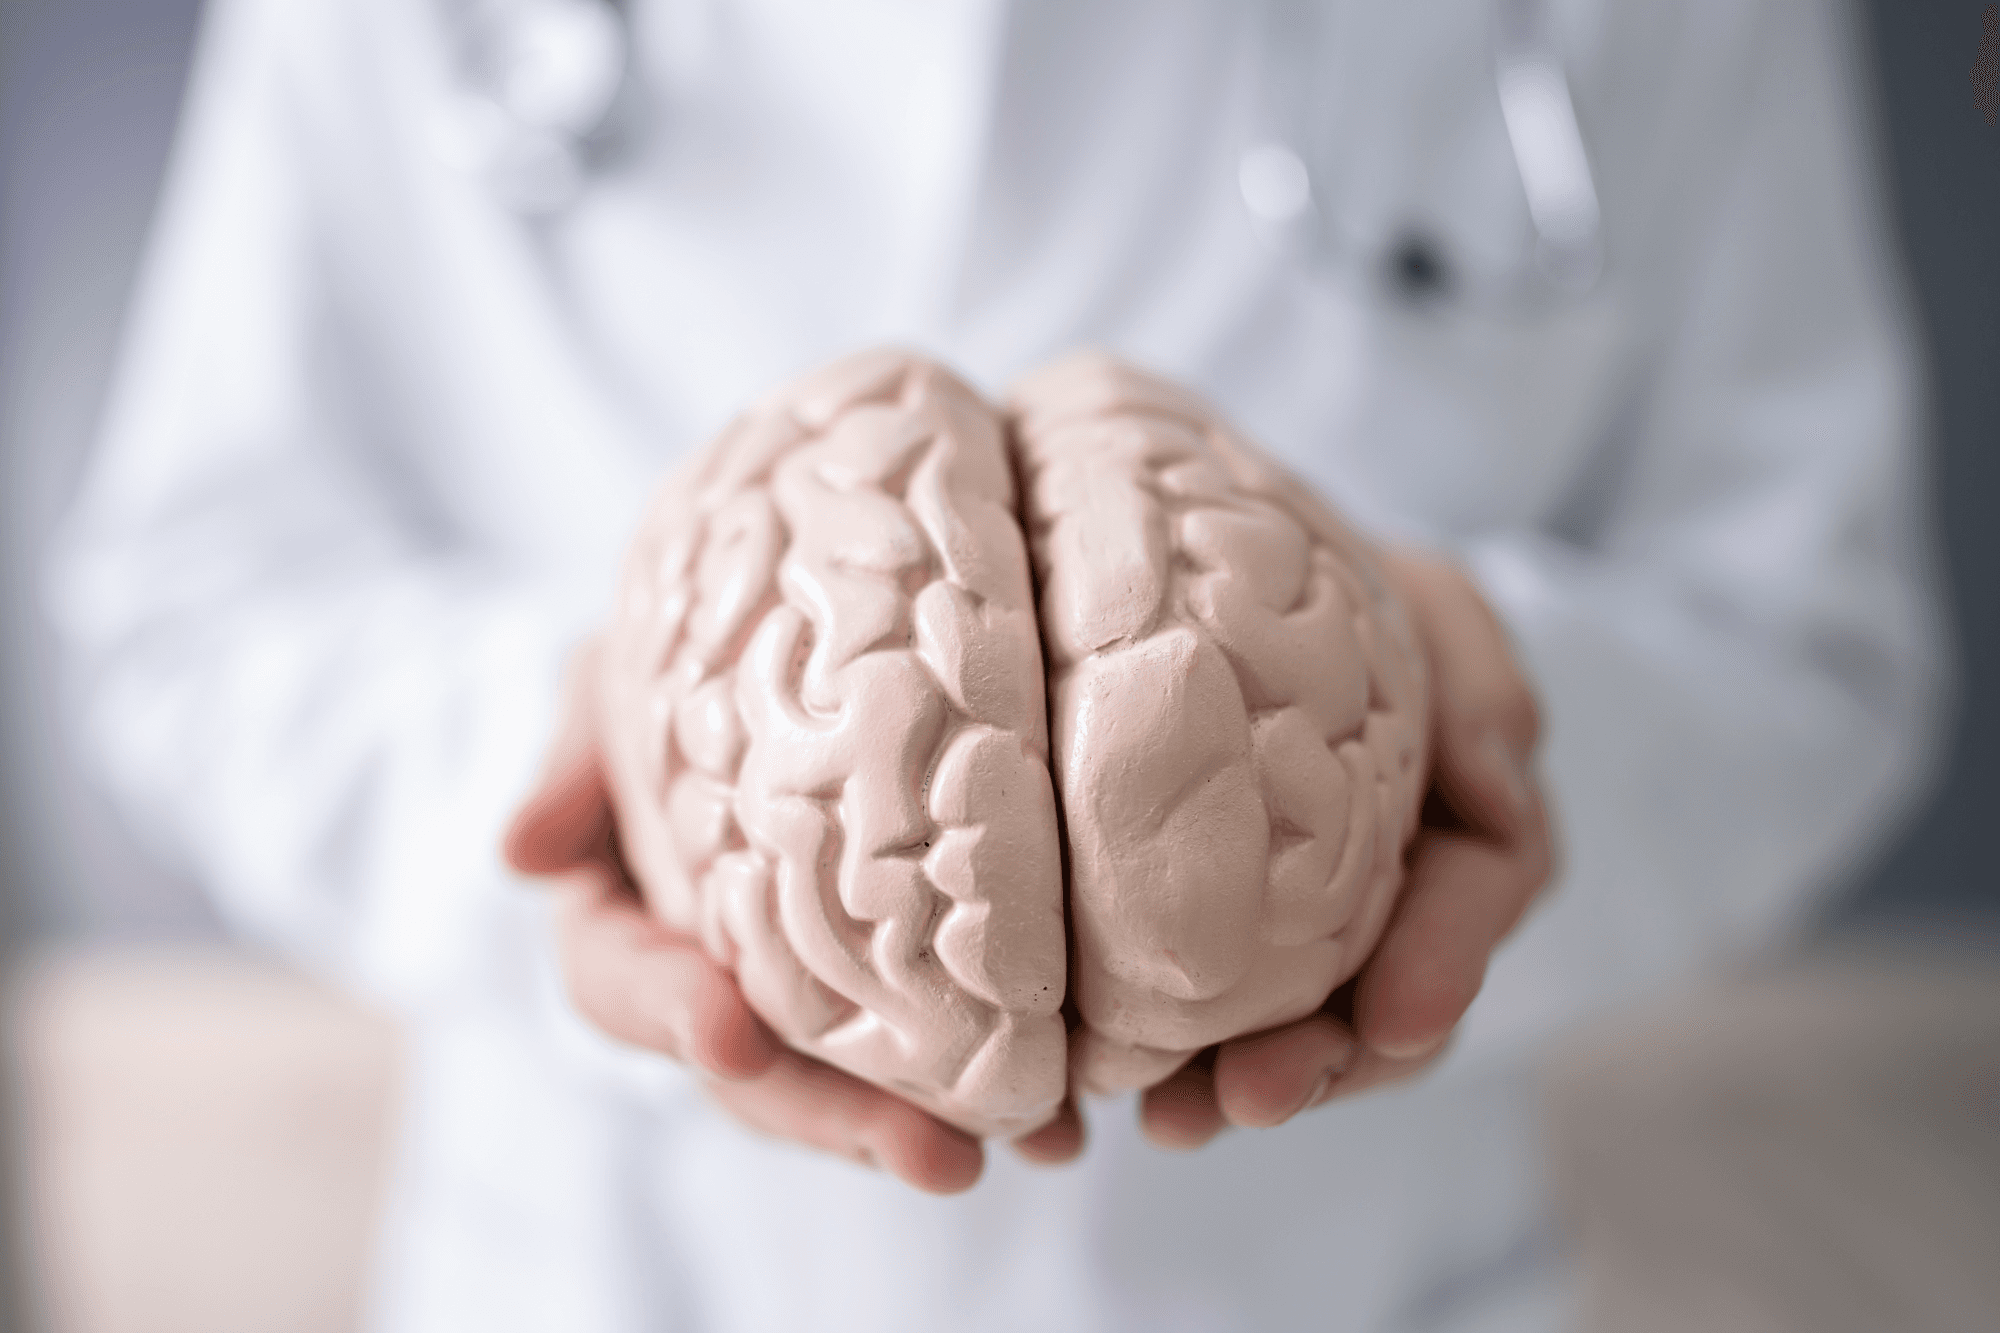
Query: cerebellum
point(828, 690)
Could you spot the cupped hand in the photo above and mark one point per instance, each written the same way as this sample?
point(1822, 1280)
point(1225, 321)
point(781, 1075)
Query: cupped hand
point(652, 987)
point(1482, 852)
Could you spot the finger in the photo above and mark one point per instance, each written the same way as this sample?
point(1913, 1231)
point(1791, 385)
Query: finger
point(1487, 721)
point(1058, 1142)
point(576, 729)
point(1477, 678)
point(567, 814)
point(1268, 1077)
point(564, 821)
point(1372, 1069)
point(1483, 781)
point(801, 1100)
point(650, 987)
point(1463, 896)
point(1181, 1112)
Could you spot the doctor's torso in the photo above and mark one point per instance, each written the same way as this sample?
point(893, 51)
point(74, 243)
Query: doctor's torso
point(995, 184)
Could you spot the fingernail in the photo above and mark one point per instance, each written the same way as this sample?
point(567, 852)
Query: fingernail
point(1418, 1049)
point(1508, 770)
point(1341, 1061)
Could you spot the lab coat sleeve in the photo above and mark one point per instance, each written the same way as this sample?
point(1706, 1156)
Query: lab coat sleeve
point(1737, 652)
point(296, 678)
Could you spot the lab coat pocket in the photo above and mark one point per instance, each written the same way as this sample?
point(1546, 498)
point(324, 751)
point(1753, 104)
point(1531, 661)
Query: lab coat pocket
point(1474, 376)
point(1485, 416)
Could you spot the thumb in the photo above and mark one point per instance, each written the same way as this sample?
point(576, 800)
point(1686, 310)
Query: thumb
point(566, 817)
point(1484, 712)
point(564, 821)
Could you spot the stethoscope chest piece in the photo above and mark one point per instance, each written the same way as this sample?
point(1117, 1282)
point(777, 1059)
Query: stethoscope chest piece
point(1291, 212)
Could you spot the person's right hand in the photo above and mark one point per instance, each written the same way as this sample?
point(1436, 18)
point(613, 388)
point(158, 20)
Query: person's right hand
point(1483, 852)
point(652, 987)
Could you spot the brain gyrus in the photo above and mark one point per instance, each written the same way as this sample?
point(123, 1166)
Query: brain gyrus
point(828, 692)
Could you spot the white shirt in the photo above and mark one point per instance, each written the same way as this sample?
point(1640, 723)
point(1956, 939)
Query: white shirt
point(379, 438)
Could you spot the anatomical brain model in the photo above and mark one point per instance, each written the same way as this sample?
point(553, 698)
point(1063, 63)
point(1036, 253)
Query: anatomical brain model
point(834, 710)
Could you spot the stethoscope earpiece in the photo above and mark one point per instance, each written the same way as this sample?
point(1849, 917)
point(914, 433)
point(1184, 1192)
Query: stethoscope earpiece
point(537, 81)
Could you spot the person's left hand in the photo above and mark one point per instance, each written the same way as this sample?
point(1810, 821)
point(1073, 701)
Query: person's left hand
point(649, 986)
point(1482, 853)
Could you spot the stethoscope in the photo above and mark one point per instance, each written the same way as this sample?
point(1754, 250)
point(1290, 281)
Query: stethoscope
point(539, 81)
point(532, 106)
point(1285, 191)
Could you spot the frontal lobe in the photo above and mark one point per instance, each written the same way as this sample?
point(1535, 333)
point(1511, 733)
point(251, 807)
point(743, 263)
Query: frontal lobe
point(826, 730)
point(1237, 708)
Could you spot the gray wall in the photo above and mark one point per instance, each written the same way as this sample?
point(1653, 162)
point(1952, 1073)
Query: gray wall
point(1945, 171)
point(88, 91)
point(87, 95)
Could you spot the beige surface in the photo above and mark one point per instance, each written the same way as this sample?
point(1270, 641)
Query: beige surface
point(1815, 1150)
point(205, 1140)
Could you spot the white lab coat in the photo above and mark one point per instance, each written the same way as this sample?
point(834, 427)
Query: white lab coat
point(378, 441)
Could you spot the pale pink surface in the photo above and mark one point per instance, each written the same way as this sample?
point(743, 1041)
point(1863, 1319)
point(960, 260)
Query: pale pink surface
point(827, 738)
point(1239, 720)
point(828, 735)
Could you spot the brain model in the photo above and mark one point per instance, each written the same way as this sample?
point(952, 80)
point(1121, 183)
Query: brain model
point(829, 690)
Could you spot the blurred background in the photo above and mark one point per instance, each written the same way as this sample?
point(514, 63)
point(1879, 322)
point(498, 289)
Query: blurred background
point(135, 1031)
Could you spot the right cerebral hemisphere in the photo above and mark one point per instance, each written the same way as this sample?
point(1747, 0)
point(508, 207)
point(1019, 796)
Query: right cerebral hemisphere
point(887, 661)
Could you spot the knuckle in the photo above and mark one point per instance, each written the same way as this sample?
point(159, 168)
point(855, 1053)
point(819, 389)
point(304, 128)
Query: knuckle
point(1521, 711)
point(1429, 1007)
point(1539, 866)
point(1533, 873)
point(1537, 856)
point(592, 999)
point(1483, 681)
point(1496, 697)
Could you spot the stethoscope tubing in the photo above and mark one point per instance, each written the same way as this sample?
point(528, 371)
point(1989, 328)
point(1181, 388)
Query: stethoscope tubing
point(539, 80)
